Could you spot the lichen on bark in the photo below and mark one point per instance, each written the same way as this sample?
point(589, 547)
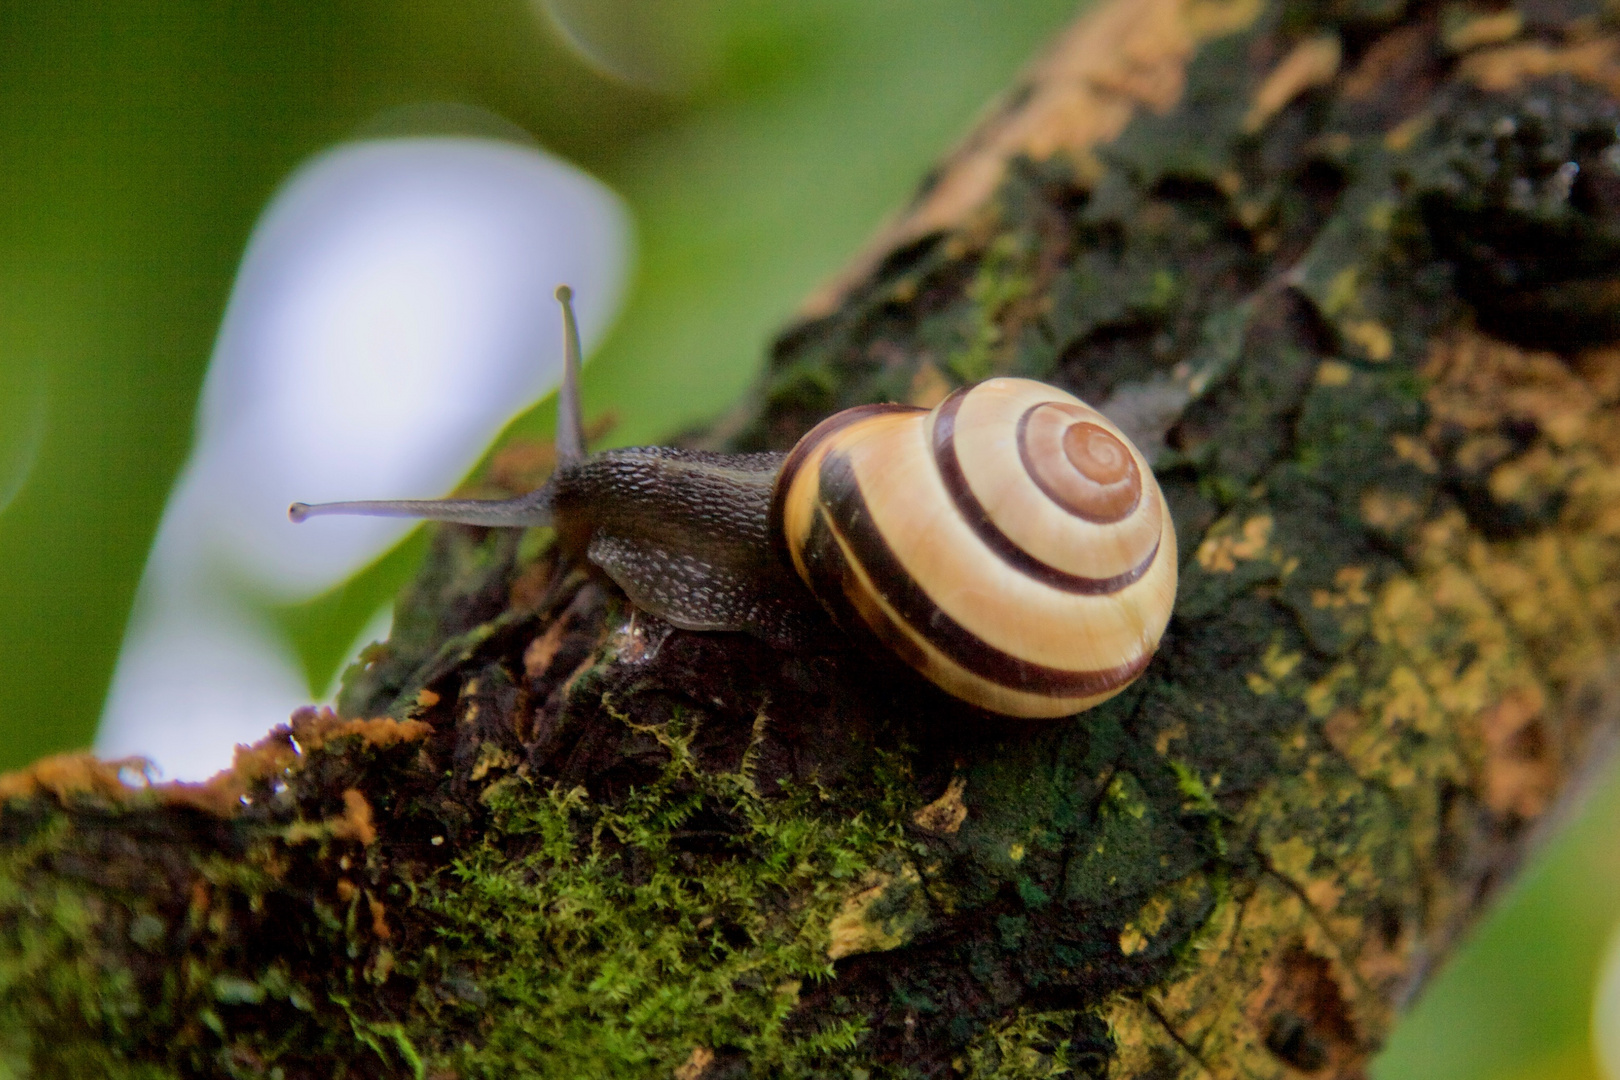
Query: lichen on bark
point(1346, 271)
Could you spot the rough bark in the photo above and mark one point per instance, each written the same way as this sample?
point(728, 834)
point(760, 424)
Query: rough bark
point(1348, 270)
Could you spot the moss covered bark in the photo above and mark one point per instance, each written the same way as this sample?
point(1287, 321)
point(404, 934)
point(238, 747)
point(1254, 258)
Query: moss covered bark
point(1347, 271)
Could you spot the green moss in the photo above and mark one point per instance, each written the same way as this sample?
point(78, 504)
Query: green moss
point(57, 987)
point(1002, 279)
point(595, 940)
point(1027, 1045)
point(167, 956)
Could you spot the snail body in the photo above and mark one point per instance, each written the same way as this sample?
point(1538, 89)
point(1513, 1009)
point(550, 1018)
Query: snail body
point(1010, 544)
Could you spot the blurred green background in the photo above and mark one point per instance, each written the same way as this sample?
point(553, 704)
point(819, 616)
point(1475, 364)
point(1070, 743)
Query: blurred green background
point(757, 145)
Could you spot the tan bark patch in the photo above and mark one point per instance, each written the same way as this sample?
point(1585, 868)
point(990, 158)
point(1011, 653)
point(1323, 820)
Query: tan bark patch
point(858, 929)
point(696, 1064)
point(945, 814)
point(1478, 381)
point(379, 918)
point(1313, 62)
point(851, 932)
point(1117, 60)
point(1473, 31)
point(491, 755)
point(540, 652)
point(1223, 549)
point(1502, 69)
point(1303, 1017)
point(313, 729)
point(1386, 60)
point(356, 822)
point(1521, 771)
point(67, 775)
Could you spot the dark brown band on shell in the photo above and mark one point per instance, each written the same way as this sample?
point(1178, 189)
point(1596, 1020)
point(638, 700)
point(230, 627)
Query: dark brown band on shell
point(841, 496)
point(1092, 489)
point(803, 449)
point(978, 519)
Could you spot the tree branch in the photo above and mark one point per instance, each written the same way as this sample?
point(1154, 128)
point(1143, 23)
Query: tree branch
point(1348, 273)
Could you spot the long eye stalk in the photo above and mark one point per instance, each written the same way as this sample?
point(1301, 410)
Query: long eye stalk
point(531, 509)
point(570, 440)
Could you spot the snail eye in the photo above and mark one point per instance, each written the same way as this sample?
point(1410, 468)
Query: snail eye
point(1081, 466)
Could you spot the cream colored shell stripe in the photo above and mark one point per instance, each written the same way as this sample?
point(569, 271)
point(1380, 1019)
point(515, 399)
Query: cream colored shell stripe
point(868, 515)
point(1048, 542)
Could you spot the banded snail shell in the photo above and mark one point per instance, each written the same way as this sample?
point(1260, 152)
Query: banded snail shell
point(1010, 544)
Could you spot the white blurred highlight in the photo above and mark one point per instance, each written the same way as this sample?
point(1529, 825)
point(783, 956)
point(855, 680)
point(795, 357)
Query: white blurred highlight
point(392, 312)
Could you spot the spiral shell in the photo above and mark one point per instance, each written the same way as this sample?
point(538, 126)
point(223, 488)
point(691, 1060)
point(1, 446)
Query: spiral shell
point(1010, 544)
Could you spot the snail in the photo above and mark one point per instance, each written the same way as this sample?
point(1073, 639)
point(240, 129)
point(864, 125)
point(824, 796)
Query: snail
point(1010, 544)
